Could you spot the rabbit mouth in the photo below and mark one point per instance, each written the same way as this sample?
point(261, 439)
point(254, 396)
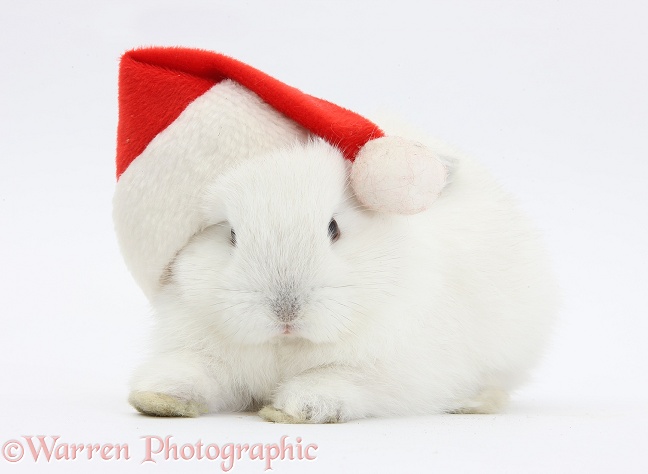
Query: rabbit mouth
point(291, 331)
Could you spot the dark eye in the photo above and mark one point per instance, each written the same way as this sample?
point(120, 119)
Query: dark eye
point(233, 237)
point(333, 230)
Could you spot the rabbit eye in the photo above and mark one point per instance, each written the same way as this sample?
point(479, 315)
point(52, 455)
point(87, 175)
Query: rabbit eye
point(233, 237)
point(333, 230)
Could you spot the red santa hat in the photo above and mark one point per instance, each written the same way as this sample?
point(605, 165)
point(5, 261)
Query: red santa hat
point(186, 115)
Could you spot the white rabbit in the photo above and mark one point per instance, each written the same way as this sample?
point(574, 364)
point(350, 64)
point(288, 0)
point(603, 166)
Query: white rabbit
point(299, 301)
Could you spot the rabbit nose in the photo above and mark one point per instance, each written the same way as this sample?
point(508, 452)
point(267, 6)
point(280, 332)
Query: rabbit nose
point(286, 307)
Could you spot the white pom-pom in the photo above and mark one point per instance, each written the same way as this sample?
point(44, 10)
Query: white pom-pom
point(395, 175)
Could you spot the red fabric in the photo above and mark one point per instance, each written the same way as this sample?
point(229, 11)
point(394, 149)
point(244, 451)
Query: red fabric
point(157, 84)
point(150, 98)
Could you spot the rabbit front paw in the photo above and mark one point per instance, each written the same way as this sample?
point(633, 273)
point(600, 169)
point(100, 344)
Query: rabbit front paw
point(304, 412)
point(307, 399)
point(161, 404)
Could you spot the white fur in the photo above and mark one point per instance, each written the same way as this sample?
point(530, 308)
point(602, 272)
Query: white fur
point(443, 311)
point(156, 207)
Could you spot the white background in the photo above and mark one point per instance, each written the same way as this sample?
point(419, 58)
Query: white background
point(550, 95)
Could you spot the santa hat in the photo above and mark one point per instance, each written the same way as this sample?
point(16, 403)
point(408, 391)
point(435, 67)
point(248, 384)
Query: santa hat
point(186, 115)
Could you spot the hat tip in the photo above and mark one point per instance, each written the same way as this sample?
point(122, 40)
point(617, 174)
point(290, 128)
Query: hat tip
point(397, 176)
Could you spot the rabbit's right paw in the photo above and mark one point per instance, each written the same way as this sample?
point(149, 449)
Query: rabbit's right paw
point(160, 404)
